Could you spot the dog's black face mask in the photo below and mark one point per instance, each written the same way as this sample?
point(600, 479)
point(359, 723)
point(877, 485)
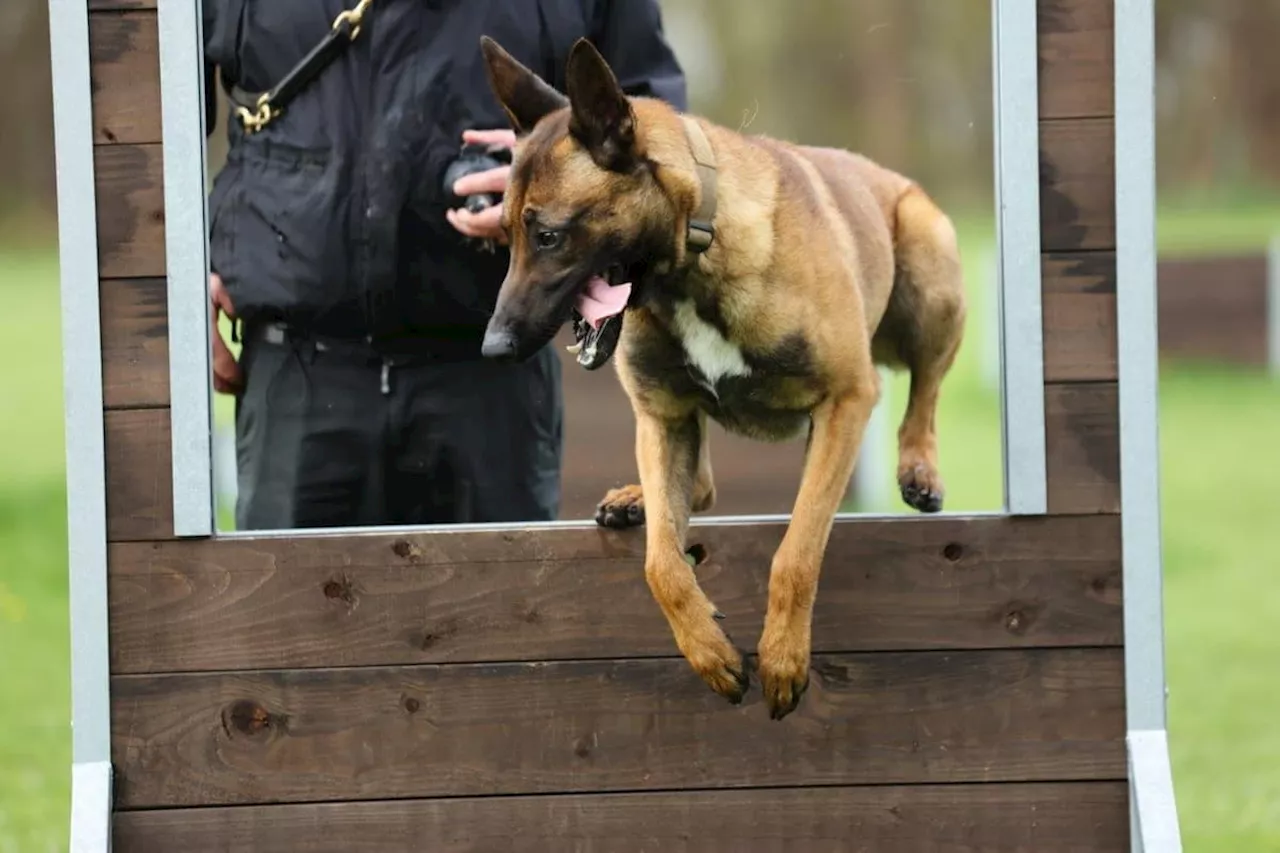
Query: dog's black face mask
point(572, 211)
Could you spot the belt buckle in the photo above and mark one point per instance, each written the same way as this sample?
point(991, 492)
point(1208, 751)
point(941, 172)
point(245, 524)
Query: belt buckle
point(274, 334)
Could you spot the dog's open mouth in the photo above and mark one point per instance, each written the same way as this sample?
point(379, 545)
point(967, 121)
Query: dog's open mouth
point(597, 317)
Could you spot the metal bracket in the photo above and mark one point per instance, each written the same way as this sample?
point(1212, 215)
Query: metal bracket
point(91, 807)
point(1152, 805)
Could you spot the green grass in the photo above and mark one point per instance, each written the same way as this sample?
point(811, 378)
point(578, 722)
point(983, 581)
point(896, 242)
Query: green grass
point(35, 743)
point(1194, 226)
point(1218, 437)
point(1222, 599)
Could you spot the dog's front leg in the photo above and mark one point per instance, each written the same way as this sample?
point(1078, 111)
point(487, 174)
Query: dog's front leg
point(667, 455)
point(838, 425)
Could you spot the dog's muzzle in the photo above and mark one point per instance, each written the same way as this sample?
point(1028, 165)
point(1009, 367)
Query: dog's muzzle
point(499, 344)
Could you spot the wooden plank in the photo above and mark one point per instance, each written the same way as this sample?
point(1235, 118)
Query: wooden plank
point(1077, 58)
point(1080, 317)
point(135, 342)
point(886, 585)
point(139, 475)
point(630, 725)
point(1083, 447)
point(1077, 185)
point(124, 58)
point(1045, 818)
point(130, 198)
point(1214, 309)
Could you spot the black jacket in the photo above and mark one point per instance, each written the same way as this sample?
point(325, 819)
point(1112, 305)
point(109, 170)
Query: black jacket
point(332, 217)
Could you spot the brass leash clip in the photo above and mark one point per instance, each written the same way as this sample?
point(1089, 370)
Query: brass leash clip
point(352, 18)
point(264, 111)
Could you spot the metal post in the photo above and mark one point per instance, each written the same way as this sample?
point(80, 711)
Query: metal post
point(187, 266)
point(1017, 147)
point(90, 828)
point(1154, 812)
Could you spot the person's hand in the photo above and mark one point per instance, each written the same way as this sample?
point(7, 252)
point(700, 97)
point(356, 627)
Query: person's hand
point(228, 378)
point(484, 225)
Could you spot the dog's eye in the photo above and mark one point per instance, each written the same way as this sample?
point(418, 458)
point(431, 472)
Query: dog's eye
point(547, 240)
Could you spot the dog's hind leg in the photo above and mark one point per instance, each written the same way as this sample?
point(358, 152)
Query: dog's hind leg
point(927, 313)
point(666, 453)
point(704, 483)
point(624, 507)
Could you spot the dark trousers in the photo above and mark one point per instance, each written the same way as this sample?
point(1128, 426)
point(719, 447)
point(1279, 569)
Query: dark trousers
point(327, 438)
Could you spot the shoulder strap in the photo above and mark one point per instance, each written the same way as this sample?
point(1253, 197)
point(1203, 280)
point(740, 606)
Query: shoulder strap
point(256, 111)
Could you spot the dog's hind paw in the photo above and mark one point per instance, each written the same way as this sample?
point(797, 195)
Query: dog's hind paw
point(621, 508)
point(921, 488)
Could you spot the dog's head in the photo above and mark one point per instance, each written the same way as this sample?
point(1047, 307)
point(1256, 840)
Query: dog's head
point(584, 213)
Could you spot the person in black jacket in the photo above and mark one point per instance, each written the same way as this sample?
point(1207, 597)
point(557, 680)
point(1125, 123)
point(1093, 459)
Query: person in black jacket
point(359, 286)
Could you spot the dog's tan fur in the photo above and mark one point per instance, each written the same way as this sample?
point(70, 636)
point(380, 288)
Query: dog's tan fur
point(823, 264)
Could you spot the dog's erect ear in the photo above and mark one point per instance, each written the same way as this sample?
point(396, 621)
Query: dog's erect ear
point(525, 97)
point(602, 118)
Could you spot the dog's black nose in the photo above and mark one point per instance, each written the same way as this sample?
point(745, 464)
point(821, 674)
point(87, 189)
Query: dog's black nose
point(499, 344)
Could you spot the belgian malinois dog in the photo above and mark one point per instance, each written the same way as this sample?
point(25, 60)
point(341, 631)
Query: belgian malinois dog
point(745, 279)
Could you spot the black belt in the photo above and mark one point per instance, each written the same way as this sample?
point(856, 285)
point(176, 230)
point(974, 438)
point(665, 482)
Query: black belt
point(399, 350)
point(366, 351)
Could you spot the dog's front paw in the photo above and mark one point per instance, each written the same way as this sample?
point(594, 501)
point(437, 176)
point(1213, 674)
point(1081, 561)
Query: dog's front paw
point(921, 487)
point(783, 669)
point(621, 508)
point(714, 657)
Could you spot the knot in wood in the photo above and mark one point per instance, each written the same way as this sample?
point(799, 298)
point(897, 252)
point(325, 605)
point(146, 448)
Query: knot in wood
point(340, 589)
point(953, 551)
point(246, 717)
point(406, 550)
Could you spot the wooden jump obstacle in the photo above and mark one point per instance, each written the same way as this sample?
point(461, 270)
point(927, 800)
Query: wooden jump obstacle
point(1223, 309)
point(985, 683)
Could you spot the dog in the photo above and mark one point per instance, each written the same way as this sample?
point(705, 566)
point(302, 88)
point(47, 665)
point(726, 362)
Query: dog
point(740, 278)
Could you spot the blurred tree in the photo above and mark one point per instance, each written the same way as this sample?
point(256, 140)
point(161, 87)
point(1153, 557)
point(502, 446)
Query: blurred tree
point(907, 82)
point(1252, 28)
point(27, 187)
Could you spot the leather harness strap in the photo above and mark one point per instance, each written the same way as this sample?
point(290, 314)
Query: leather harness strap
point(701, 230)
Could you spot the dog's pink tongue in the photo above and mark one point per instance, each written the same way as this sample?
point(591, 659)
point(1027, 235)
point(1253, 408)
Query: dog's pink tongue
point(600, 300)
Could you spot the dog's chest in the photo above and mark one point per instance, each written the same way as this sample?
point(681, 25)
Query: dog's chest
point(707, 351)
